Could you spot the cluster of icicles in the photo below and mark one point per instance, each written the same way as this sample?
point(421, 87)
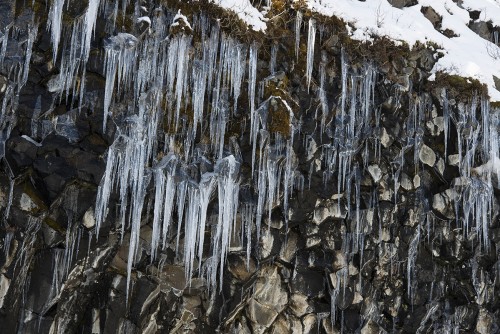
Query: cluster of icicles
point(149, 81)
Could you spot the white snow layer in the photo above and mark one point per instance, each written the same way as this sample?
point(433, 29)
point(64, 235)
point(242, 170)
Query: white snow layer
point(245, 11)
point(466, 55)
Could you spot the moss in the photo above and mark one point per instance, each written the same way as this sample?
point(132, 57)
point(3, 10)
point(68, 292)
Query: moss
point(228, 20)
point(276, 87)
point(279, 117)
point(37, 6)
point(279, 114)
point(125, 22)
point(495, 104)
point(54, 225)
point(460, 88)
point(234, 128)
point(279, 18)
point(33, 195)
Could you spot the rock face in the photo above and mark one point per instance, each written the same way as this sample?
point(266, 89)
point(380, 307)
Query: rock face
point(166, 169)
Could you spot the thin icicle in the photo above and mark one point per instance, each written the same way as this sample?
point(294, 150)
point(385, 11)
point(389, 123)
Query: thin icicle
point(207, 186)
point(410, 266)
point(252, 78)
point(168, 207)
point(311, 42)
point(322, 94)
point(272, 62)
point(159, 181)
point(298, 24)
point(191, 229)
point(446, 122)
point(181, 202)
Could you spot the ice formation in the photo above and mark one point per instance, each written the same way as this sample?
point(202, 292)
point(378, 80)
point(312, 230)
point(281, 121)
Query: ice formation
point(171, 101)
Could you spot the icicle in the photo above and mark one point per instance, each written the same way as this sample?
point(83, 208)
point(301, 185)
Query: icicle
point(298, 24)
point(181, 201)
point(54, 23)
point(32, 34)
point(272, 62)
point(9, 236)
point(357, 188)
point(310, 50)
point(343, 97)
point(179, 55)
point(227, 170)
point(23, 262)
point(119, 54)
point(207, 186)
point(485, 127)
point(338, 283)
point(11, 196)
point(159, 180)
point(261, 182)
point(272, 184)
point(288, 180)
point(90, 19)
point(237, 71)
point(36, 114)
point(104, 189)
point(168, 207)
point(4, 39)
point(446, 122)
point(247, 218)
point(252, 78)
point(495, 145)
point(322, 94)
point(410, 267)
point(198, 94)
point(191, 228)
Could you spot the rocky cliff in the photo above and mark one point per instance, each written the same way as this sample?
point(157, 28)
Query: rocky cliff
point(249, 166)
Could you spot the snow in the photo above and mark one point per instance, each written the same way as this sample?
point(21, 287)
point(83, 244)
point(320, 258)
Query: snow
point(245, 11)
point(145, 19)
point(490, 9)
point(177, 18)
point(466, 55)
